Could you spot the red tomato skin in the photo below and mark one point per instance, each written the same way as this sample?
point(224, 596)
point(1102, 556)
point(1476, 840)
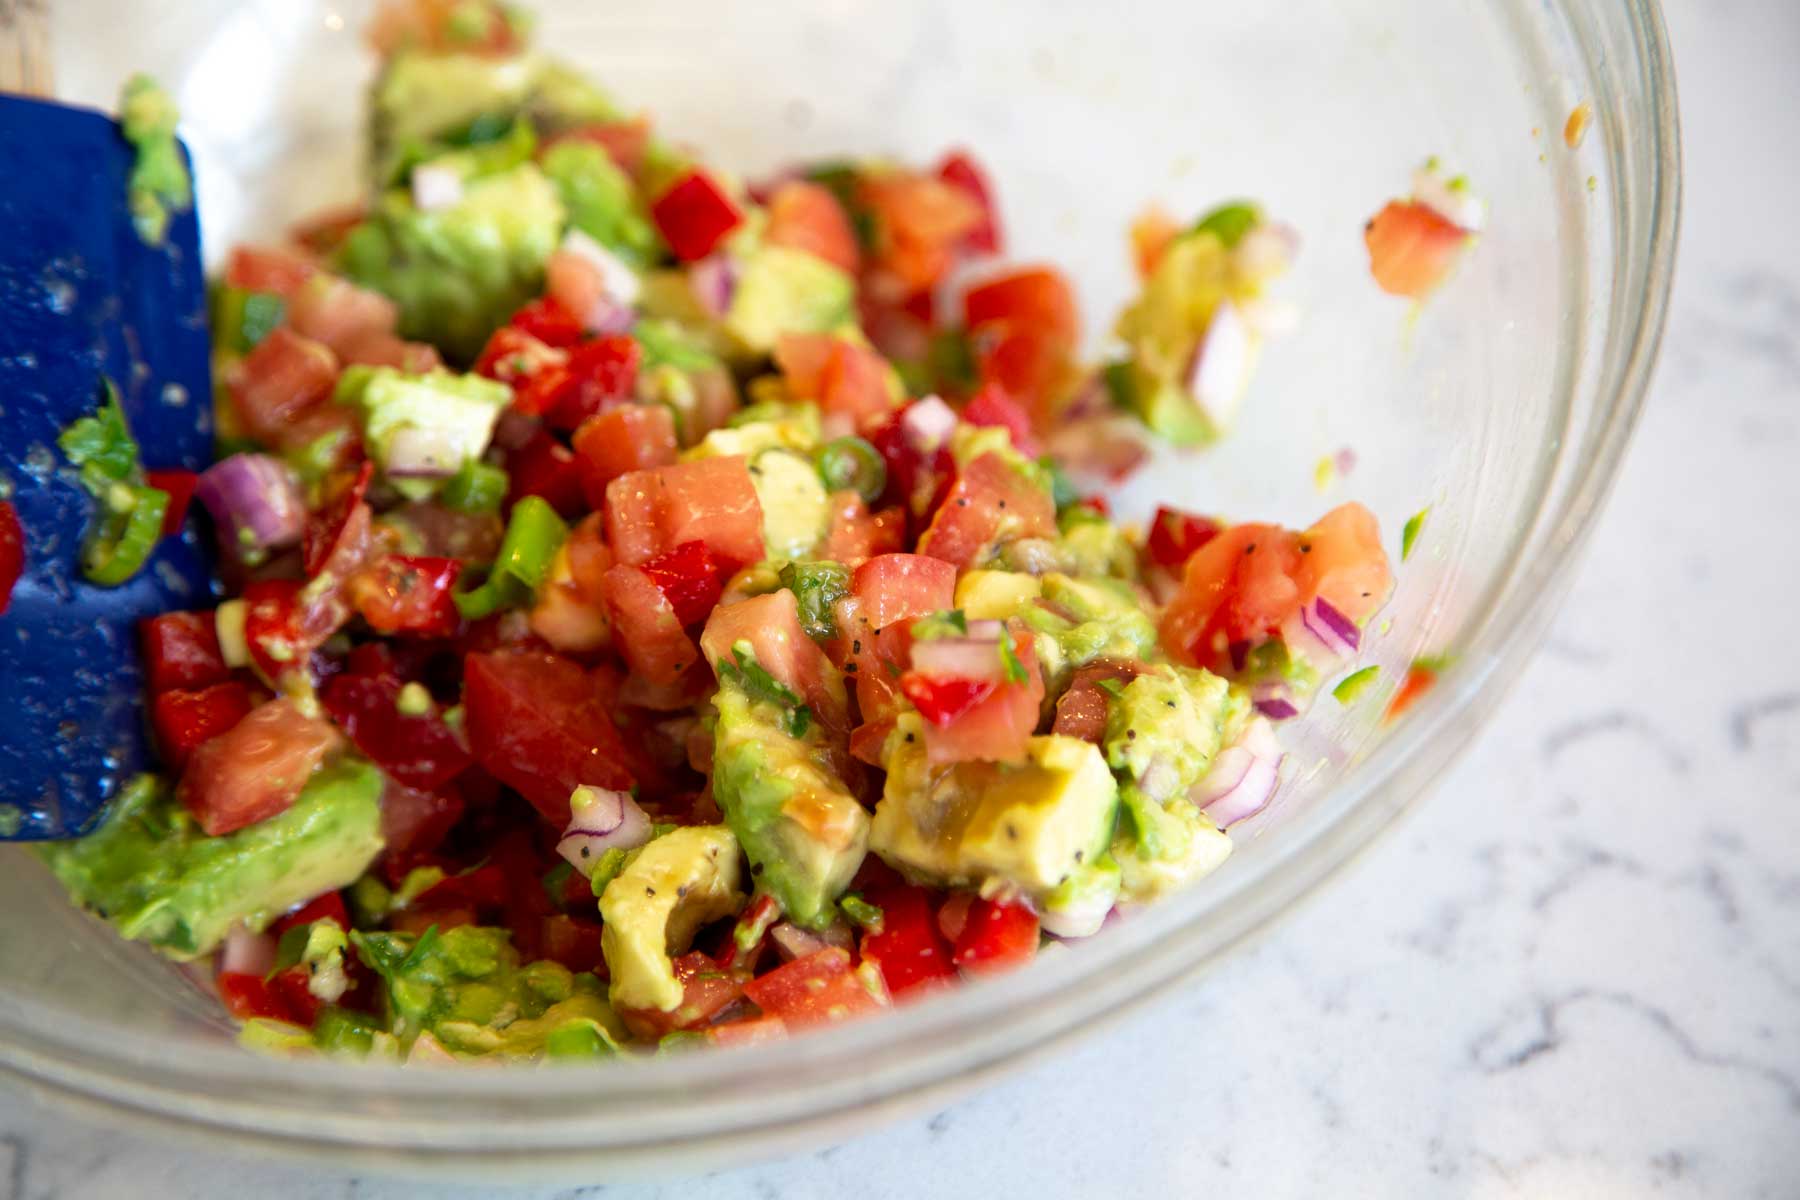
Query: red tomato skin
point(327, 907)
point(545, 467)
point(269, 269)
point(184, 720)
point(1235, 591)
point(416, 751)
point(988, 499)
point(961, 171)
point(910, 950)
point(997, 935)
point(1175, 535)
point(706, 992)
point(711, 500)
point(856, 534)
point(694, 215)
point(1036, 299)
point(254, 770)
point(283, 379)
point(817, 989)
point(942, 701)
point(903, 587)
point(248, 997)
point(690, 577)
point(602, 373)
point(181, 650)
point(550, 323)
point(179, 485)
point(573, 942)
point(997, 727)
point(991, 406)
point(12, 552)
point(624, 141)
point(649, 633)
point(410, 594)
point(626, 438)
point(513, 355)
point(536, 723)
point(806, 216)
point(1411, 248)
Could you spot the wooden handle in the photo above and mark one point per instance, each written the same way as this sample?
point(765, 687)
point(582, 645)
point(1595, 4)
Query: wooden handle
point(25, 47)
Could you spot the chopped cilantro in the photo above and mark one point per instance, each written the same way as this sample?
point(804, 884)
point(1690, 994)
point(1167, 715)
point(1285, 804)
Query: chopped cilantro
point(758, 684)
point(1009, 659)
point(1112, 687)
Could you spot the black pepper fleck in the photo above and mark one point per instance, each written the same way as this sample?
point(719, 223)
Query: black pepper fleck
point(649, 891)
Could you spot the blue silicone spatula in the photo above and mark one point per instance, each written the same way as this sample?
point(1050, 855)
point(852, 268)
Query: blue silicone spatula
point(82, 299)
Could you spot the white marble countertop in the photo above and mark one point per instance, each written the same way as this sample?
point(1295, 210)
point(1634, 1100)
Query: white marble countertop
point(1575, 973)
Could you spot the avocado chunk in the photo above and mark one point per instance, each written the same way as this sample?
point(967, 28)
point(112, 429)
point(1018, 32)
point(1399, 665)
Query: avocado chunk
point(459, 272)
point(1191, 847)
point(1077, 907)
point(422, 98)
point(759, 428)
point(1104, 620)
point(439, 417)
point(601, 200)
point(1093, 546)
point(1162, 732)
point(652, 909)
point(1031, 824)
point(466, 987)
point(151, 872)
point(803, 831)
point(996, 595)
point(796, 511)
point(782, 290)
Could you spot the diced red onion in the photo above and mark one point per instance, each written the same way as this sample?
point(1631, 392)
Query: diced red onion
point(246, 953)
point(1160, 778)
point(418, 453)
point(1242, 778)
point(1220, 367)
point(601, 820)
point(713, 280)
point(608, 316)
point(255, 501)
point(927, 423)
point(618, 282)
point(1344, 460)
point(791, 941)
point(436, 187)
point(1274, 700)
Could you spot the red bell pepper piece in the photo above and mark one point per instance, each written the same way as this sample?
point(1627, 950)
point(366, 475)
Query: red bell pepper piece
point(745, 945)
point(328, 907)
point(180, 487)
point(12, 552)
point(545, 467)
point(910, 950)
point(183, 719)
point(997, 935)
point(484, 888)
point(1174, 535)
point(601, 373)
point(418, 751)
point(408, 594)
point(247, 997)
point(942, 701)
point(181, 650)
point(819, 988)
point(962, 172)
point(549, 322)
point(694, 216)
point(690, 577)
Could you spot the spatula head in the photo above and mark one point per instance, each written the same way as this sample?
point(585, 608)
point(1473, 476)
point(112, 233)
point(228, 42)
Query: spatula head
point(82, 297)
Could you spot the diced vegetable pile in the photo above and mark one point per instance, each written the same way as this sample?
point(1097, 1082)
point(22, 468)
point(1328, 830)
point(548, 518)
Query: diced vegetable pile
point(663, 608)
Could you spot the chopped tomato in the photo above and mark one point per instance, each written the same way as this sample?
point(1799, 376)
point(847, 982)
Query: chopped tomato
point(747, 1032)
point(602, 373)
point(12, 552)
point(990, 503)
point(181, 650)
point(281, 380)
point(1151, 234)
point(281, 628)
point(184, 719)
point(1175, 535)
point(771, 625)
point(1342, 561)
point(1420, 679)
point(269, 269)
point(856, 534)
point(806, 216)
point(706, 992)
point(545, 467)
point(179, 485)
point(256, 769)
point(822, 987)
point(651, 635)
point(573, 942)
point(710, 500)
point(751, 933)
point(550, 323)
point(629, 437)
point(996, 936)
point(414, 822)
point(294, 986)
point(326, 907)
point(991, 406)
point(997, 726)
point(1411, 248)
point(694, 215)
point(512, 355)
point(918, 478)
point(1037, 299)
point(960, 170)
point(941, 701)
point(919, 223)
point(408, 594)
point(249, 997)
point(909, 949)
point(1032, 367)
point(332, 310)
point(337, 530)
point(1081, 711)
point(537, 724)
point(690, 577)
point(842, 377)
point(903, 587)
point(417, 750)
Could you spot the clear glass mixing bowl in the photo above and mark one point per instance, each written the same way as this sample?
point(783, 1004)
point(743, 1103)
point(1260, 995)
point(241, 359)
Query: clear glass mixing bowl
point(1505, 406)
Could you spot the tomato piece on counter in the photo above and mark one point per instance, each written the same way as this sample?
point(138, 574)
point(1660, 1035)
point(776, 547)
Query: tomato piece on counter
point(820, 988)
point(694, 215)
point(256, 769)
point(996, 935)
point(186, 719)
point(181, 650)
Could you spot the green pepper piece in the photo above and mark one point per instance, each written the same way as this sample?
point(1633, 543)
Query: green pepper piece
point(1230, 222)
point(850, 462)
point(533, 536)
point(476, 488)
point(122, 542)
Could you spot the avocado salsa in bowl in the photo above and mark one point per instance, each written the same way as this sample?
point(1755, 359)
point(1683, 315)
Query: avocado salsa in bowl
point(666, 609)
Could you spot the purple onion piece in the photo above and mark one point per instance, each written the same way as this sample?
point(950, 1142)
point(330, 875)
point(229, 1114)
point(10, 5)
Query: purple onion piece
point(601, 820)
point(791, 941)
point(927, 423)
point(255, 501)
point(1277, 709)
point(713, 281)
point(1341, 625)
point(1242, 778)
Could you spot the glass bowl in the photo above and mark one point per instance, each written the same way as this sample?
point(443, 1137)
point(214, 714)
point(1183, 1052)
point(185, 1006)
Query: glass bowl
point(1504, 405)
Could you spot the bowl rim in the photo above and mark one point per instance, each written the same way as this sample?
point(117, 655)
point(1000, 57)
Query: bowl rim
point(740, 1101)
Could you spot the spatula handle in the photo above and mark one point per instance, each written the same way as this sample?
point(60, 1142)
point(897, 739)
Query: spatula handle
point(25, 47)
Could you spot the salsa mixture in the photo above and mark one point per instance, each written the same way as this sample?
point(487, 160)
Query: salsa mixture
point(664, 608)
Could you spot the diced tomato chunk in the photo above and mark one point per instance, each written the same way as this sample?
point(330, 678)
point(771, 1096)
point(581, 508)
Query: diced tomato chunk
point(12, 552)
point(545, 467)
point(249, 997)
point(822, 987)
point(601, 373)
point(706, 992)
point(414, 821)
point(997, 726)
point(256, 769)
point(184, 719)
point(747, 1032)
point(1420, 679)
point(990, 503)
point(1037, 299)
point(537, 723)
point(1411, 248)
point(996, 936)
point(629, 437)
point(179, 486)
point(181, 650)
point(1175, 535)
point(806, 216)
point(332, 310)
point(550, 323)
point(960, 170)
point(694, 215)
point(334, 530)
point(840, 376)
point(903, 587)
point(573, 942)
point(512, 355)
point(710, 500)
point(283, 625)
point(909, 949)
point(280, 381)
point(327, 907)
point(1151, 234)
point(1029, 365)
point(651, 636)
point(408, 594)
point(991, 406)
point(856, 534)
point(919, 223)
point(771, 625)
point(418, 750)
point(269, 269)
point(690, 577)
